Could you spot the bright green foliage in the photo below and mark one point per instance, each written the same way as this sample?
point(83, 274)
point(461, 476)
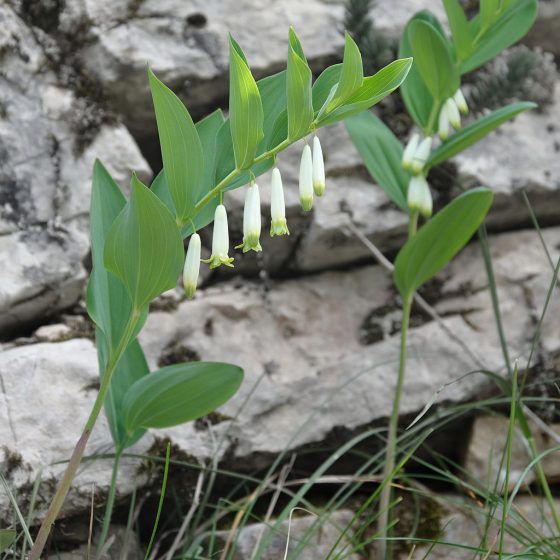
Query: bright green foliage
point(373, 89)
point(181, 149)
point(298, 83)
point(472, 133)
point(137, 246)
point(7, 537)
point(179, 393)
point(434, 59)
point(439, 63)
point(459, 28)
point(144, 248)
point(417, 97)
point(440, 239)
point(514, 19)
point(351, 75)
point(382, 154)
point(108, 303)
point(131, 367)
point(207, 130)
point(246, 111)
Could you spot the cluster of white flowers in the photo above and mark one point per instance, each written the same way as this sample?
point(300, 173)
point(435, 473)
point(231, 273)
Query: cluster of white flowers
point(417, 152)
point(311, 182)
point(450, 114)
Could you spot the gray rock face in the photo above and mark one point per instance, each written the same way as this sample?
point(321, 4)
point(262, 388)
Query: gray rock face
point(186, 46)
point(312, 539)
point(45, 177)
point(487, 445)
point(308, 374)
point(522, 156)
point(464, 525)
point(46, 393)
point(41, 420)
point(286, 340)
point(544, 32)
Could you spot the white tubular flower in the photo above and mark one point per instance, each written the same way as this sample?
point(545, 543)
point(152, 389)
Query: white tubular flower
point(421, 155)
point(318, 168)
point(443, 124)
point(419, 196)
point(251, 220)
point(453, 113)
point(410, 151)
point(461, 102)
point(220, 240)
point(192, 266)
point(306, 179)
point(278, 225)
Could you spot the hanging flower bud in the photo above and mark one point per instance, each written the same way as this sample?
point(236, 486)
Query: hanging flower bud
point(421, 155)
point(192, 266)
point(306, 179)
point(443, 124)
point(419, 196)
point(461, 102)
point(318, 168)
point(278, 225)
point(410, 151)
point(453, 113)
point(251, 220)
point(220, 240)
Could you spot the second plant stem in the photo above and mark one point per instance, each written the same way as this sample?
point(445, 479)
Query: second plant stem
point(110, 502)
point(391, 449)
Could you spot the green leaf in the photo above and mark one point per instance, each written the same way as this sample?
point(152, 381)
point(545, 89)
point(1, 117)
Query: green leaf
point(279, 131)
point(7, 537)
point(351, 75)
point(434, 59)
point(324, 85)
point(459, 28)
point(488, 13)
point(181, 149)
point(374, 89)
point(108, 302)
point(511, 26)
point(130, 368)
point(207, 129)
point(144, 248)
point(417, 98)
point(246, 111)
point(298, 84)
point(440, 239)
point(382, 154)
point(179, 393)
point(273, 96)
point(472, 133)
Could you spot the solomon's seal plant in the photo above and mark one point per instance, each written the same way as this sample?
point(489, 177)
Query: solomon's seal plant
point(137, 244)
point(434, 100)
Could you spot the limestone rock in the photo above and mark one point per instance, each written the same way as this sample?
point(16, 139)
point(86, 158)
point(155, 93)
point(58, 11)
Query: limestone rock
point(286, 340)
point(315, 537)
point(45, 176)
point(520, 156)
point(186, 46)
point(42, 273)
point(41, 420)
point(487, 444)
point(543, 33)
point(464, 525)
point(46, 393)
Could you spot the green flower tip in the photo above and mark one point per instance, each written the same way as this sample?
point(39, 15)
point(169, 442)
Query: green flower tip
point(216, 260)
point(279, 227)
point(306, 203)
